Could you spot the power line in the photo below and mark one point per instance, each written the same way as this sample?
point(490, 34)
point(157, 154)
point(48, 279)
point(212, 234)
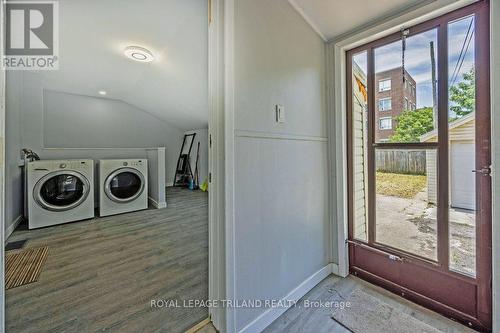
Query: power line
point(463, 58)
point(463, 51)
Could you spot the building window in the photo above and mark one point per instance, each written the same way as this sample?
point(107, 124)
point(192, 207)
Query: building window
point(406, 104)
point(385, 123)
point(384, 104)
point(384, 85)
point(413, 107)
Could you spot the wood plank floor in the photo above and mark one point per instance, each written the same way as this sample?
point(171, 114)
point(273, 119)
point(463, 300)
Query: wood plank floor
point(300, 319)
point(101, 274)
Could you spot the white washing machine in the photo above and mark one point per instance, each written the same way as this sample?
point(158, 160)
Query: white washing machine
point(123, 186)
point(59, 192)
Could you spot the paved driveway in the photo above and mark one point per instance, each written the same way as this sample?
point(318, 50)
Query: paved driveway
point(410, 225)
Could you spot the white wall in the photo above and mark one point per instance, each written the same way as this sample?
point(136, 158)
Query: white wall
point(202, 138)
point(280, 170)
point(59, 125)
point(13, 173)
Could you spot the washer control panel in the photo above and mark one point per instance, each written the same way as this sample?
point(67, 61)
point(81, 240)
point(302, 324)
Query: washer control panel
point(69, 164)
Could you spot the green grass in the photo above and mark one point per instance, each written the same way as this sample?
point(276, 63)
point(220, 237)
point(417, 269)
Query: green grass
point(400, 185)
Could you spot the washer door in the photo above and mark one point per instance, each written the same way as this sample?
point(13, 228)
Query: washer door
point(124, 185)
point(61, 190)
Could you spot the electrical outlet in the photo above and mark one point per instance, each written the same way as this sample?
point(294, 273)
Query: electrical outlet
point(280, 113)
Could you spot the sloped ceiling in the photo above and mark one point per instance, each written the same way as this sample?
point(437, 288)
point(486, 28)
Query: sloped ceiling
point(333, 18)
point(94, 33)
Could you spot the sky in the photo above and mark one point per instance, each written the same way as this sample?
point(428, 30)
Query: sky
point(418, 59)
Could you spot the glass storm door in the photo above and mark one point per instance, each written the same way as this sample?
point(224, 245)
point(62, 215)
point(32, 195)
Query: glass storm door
point(419, 164)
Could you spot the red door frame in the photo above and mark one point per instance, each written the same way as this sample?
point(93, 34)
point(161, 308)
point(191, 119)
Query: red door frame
point(432, 284)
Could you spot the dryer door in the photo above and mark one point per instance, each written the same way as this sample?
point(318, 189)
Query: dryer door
point(61, 190)
point(124, 185)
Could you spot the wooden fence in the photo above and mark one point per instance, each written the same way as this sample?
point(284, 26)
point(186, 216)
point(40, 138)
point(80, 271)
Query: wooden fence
point(401, 161)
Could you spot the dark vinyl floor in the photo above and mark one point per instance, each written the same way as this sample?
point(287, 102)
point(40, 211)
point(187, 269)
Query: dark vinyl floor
point(102, 274)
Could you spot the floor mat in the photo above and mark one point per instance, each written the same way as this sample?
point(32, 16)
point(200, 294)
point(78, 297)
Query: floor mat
point(367, 314)
point(24, 266)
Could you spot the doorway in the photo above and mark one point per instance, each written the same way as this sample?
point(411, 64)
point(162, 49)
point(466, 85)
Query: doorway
point(121, 128)
point(418, 127)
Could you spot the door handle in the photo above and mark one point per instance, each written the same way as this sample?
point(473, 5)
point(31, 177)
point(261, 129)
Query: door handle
point(486, 171)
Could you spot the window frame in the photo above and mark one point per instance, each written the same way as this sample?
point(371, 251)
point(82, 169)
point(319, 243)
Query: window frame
point(380, 122)
point(382, 81)
point(384, 99)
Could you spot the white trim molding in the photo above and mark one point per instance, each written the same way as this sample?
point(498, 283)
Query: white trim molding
point(216, 108)
point(229, 110)
point(495, 150)
point(277, 136)
point(270, 315)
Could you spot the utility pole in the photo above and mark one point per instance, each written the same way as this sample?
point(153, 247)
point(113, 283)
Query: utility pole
point(434, 88)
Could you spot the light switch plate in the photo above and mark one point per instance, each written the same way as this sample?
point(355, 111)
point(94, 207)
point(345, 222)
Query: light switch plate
point(280, 113)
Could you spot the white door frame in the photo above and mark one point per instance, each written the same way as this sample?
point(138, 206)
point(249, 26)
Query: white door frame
point(217, 86)
point(337, 106)
point(221, 127)
point(495, 150)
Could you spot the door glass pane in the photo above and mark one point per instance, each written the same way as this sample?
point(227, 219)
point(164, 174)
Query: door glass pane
point(125, 185)
point(406, 100)
point(462, 146)
point(406, 194)
point(359, 136)
point(62, 190)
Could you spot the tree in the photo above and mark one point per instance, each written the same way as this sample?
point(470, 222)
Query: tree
point(412, 124)
point(463, 95)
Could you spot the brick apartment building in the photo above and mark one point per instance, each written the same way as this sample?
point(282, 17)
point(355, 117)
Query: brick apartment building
point(392, 97)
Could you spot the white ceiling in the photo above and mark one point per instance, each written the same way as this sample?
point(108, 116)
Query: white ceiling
point(332, 18)
point(94, 33)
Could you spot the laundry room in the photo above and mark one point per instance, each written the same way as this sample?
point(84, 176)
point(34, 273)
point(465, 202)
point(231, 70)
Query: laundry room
point(107, 171)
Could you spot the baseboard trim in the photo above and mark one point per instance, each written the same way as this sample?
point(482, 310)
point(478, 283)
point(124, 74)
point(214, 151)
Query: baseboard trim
point(270, 315)
point(12, 227)
point(335, 269)
point(156, 204)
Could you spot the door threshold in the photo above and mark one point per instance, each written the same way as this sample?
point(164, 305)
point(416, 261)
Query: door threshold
point(199, 326)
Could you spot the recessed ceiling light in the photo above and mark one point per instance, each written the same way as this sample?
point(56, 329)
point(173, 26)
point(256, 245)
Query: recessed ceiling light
point(102, 92)
point(138, 53)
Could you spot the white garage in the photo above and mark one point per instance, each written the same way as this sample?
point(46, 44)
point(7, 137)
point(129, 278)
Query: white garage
point(462, 162)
